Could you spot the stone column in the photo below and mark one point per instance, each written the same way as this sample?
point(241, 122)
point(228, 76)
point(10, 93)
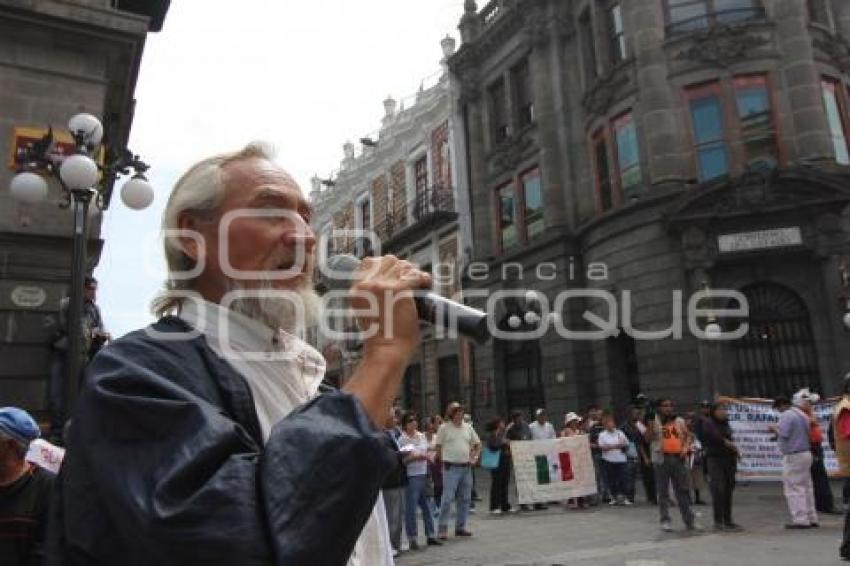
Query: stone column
point(811, 139)
point(841, 17)
point(658, 113)
point(481, 207)
point(545, 79)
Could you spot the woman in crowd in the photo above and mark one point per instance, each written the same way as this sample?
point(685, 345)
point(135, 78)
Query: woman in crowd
point(695, 462)
point(824, 502)
point(414, 447)
point(573, 427)
point(435, 467)
point(722, 456)
point(613, 445)
point(497, 442)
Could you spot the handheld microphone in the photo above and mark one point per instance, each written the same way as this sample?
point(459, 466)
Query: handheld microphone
point(431, 307)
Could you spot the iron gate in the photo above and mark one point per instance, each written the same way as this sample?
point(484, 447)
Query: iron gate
point(778, 355)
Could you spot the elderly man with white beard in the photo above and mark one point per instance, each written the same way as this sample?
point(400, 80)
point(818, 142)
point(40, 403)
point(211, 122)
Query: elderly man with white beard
point(205, 438)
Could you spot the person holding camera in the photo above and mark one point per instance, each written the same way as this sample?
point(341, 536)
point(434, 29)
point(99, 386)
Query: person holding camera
point(671, 444)
point(93, 337)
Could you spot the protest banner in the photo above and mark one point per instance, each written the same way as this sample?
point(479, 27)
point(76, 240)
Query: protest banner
point(553, 470)
point(45, 455)
point(751, 421)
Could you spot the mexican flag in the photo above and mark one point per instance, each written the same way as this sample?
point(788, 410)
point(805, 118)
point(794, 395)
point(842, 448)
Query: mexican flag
point(553, 468)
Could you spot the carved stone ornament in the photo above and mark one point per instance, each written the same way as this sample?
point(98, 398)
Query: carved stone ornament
point(470, 90)
point(509, 155)
point(763, 192)
point(598, 99)
point(536, 29)
point(837, 48)
point(721, 46)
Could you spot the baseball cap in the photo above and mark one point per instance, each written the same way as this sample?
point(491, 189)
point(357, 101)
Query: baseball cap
point(18, 424)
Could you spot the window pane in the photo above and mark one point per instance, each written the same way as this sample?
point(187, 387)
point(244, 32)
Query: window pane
point(498, 111)
point(617, 42)
point(627, 144)
point(752, 100)
point(523, 94)
point(836, 126)
point(627, 152)
point(721, 5)
point(420, 173)
point(507, 220)
point(689, 16)
point(754, 113)
point(708, 120)
point(533, 205)
point(630, 178)
point(603, 175)
point(712, 161)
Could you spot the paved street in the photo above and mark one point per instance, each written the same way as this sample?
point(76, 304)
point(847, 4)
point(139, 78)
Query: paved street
point(630, 537)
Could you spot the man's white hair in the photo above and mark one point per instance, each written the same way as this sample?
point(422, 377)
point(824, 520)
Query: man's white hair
point(198, 192)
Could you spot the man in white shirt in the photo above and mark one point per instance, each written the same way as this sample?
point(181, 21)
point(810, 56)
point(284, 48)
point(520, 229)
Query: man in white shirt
point(204, 438)
point(541, 428)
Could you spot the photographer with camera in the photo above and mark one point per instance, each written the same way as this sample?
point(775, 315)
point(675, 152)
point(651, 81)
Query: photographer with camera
point(670, 446)
point(93, 338)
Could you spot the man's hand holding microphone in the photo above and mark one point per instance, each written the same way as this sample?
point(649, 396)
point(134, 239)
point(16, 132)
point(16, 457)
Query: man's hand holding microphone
point(381, 297)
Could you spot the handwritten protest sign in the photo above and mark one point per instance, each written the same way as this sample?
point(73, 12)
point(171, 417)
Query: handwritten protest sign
point(553, 470)
point(45, 455)
point(761, 459)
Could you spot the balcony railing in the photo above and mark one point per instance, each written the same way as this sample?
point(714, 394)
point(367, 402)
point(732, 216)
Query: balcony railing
point(429, 208)
point(731, 17)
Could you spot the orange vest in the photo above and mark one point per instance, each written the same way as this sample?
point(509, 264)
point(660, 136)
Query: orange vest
point(671, 438)
point(842, 445)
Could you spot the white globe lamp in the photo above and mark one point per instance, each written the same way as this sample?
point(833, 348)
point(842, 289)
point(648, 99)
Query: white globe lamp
point(531, 317)
point(78, 172)
point(28, 187)
point(88, 125)
point(713, 331)
point(847, 320)
point(514, 321)
point(137, 193)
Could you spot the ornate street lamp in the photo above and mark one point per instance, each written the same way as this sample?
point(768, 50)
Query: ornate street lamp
point(82, 180)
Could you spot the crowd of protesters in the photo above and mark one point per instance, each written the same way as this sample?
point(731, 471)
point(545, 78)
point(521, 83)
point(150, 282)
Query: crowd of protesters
point(678, 458)
point(674, 456)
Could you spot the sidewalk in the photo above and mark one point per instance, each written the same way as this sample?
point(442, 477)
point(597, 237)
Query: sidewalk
point(620, 536)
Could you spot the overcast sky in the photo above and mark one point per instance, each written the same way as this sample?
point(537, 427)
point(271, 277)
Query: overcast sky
point(305, 75)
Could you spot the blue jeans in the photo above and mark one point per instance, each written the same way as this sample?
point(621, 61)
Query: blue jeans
point(457, 485)
point(415, 495)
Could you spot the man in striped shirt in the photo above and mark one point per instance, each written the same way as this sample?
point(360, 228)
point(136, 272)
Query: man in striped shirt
point(24, 492)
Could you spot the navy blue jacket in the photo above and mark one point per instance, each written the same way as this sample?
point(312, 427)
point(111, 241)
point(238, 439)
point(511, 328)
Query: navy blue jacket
point(165, 464)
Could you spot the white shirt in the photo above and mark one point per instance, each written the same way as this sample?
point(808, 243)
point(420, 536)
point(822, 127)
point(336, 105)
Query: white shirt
point(613, 438)
point(542, 432)
point(283, 372)
point(417, 446)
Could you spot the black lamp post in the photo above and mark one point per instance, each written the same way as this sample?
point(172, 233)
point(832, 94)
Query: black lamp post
point(83, 180)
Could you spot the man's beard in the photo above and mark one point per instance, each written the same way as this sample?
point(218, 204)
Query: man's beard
point(290, 310)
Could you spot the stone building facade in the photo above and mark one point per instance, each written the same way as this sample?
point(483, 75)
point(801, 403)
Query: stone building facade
point(57, 58)
point(401, 189)
point(647, 150)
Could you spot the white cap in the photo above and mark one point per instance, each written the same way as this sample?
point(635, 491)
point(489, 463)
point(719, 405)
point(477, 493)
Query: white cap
point(571, 417)
point(539, 412)
point(804, 396)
